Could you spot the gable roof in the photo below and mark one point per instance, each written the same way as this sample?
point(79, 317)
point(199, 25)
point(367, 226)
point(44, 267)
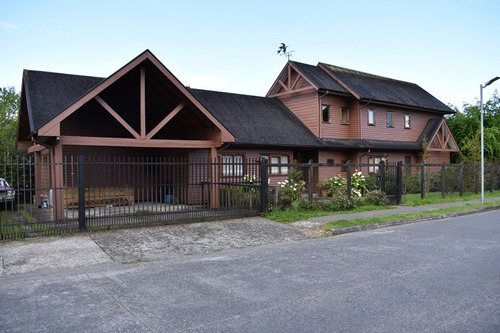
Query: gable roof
point(51, 93)
point(386, 90)
point(257, 120)
point(53, 113)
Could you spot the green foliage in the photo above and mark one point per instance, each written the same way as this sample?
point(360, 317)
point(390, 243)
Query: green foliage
point(465, 126)
point(9, 108)
point(377, 198)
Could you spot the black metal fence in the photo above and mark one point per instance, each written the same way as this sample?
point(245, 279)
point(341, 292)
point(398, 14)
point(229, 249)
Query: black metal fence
point(96, 193)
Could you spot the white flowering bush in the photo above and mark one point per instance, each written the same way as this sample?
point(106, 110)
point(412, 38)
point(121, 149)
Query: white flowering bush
point(292, 188)
point(337, 185)
point(250, 183)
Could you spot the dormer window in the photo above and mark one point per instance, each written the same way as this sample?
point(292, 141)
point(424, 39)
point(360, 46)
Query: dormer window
point(325, 113)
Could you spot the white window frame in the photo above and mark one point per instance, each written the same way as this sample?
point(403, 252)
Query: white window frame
point(371, 117)
point(344, 111)
point(278, 159)
point(407, 120)
point(390, 116)
point(328, 109)
point(232, 165)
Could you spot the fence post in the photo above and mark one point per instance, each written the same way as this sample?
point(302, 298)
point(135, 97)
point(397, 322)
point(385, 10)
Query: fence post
point(491, 178)
point(422, 181)
point(264, 186)
point(310, 185)
point(81, 194)
point(349, 185)
point(461, 179)
point(399, 183)
point(381, 172)
point(443, 181)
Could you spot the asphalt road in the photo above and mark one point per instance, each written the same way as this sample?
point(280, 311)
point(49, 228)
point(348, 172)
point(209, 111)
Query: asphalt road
point(436, 276)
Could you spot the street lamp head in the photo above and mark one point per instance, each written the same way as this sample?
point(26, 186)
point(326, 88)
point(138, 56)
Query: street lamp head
point(491, 81)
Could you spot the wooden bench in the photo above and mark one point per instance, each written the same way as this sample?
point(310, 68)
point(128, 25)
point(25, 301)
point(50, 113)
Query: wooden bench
point(100, 196)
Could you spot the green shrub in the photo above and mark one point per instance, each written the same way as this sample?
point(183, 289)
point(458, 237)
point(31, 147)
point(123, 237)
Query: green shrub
point(377, 198)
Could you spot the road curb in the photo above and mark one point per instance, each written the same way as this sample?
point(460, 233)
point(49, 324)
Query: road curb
point(340, 231)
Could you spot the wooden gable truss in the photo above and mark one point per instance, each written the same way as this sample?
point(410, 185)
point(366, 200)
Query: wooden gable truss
point(443, 140)
point(290, 81)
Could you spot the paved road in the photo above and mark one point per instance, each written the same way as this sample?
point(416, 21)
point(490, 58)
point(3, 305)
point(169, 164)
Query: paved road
point(436, 276)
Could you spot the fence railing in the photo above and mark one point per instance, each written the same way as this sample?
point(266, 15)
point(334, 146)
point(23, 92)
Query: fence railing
point(113, 192)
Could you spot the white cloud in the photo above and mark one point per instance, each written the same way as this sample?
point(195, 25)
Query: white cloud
point(8, 25)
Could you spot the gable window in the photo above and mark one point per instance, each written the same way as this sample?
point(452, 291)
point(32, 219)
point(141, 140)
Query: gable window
point(344, 116)
point(407, 121)
point(325, 113)
point(278, 159)
point(389, 119)
point(371, 117)
point(232, 165)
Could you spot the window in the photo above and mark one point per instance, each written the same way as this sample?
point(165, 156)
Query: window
point(389, 119)
point(374, 163)
point(329, 161)
point(371, 117)
point(344, 116)
point(232, 165)
point(407, 121)
point(325, 113)
point(278, 159)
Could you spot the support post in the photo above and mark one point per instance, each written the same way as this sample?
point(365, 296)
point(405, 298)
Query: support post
point(264, 185)
point(461, 179)
point(422, 182)
point(81, 194)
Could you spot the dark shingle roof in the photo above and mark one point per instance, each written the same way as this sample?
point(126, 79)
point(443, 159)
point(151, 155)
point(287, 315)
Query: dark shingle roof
point(257, 120)
point(50, 93)
point(319, 77)
point(382, 89)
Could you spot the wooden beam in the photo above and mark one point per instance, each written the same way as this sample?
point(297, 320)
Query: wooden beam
point(117, 117)
point(140, 143)
point(165, 120)
point(282, 84)
point(143, 103)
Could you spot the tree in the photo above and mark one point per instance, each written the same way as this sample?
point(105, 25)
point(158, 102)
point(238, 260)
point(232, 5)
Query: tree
point(9, 108)
point(466, 129)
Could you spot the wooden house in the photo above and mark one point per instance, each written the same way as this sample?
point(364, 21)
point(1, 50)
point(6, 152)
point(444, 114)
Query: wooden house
point(322, 113)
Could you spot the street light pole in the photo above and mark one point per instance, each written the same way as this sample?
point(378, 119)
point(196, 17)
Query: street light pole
point(482, 86)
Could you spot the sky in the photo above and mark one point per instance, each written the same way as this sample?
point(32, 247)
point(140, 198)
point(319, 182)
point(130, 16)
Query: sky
point(447, 47)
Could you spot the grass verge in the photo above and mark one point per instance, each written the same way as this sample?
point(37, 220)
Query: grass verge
point(292, 215)
point(407, 216)
point(435, 197)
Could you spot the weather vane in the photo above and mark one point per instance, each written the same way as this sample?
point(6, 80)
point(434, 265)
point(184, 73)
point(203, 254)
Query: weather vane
point(282, 51)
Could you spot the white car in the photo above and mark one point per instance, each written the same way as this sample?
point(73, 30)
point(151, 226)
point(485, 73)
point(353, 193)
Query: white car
point(7, 193)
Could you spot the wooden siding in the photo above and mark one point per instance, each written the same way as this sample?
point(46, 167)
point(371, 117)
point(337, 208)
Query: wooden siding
point(335, 129)
point(306, 107)
point(380, 131)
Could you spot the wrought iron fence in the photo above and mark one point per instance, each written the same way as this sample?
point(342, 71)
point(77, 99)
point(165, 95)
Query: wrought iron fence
point(114, 192)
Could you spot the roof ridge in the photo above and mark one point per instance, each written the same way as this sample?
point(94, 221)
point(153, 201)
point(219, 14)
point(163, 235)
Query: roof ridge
point(366, 73)
point(59, 73)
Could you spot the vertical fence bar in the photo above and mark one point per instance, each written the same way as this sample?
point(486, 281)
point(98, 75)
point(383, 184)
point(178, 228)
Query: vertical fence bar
point(381, 172)
point(263, 185)
point(81, 194)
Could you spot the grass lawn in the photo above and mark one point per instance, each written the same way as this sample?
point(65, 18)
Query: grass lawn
point(435, 197)
point(397, 217)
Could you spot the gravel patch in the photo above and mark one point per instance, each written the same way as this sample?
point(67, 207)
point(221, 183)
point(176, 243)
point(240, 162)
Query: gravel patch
point(144, 244)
